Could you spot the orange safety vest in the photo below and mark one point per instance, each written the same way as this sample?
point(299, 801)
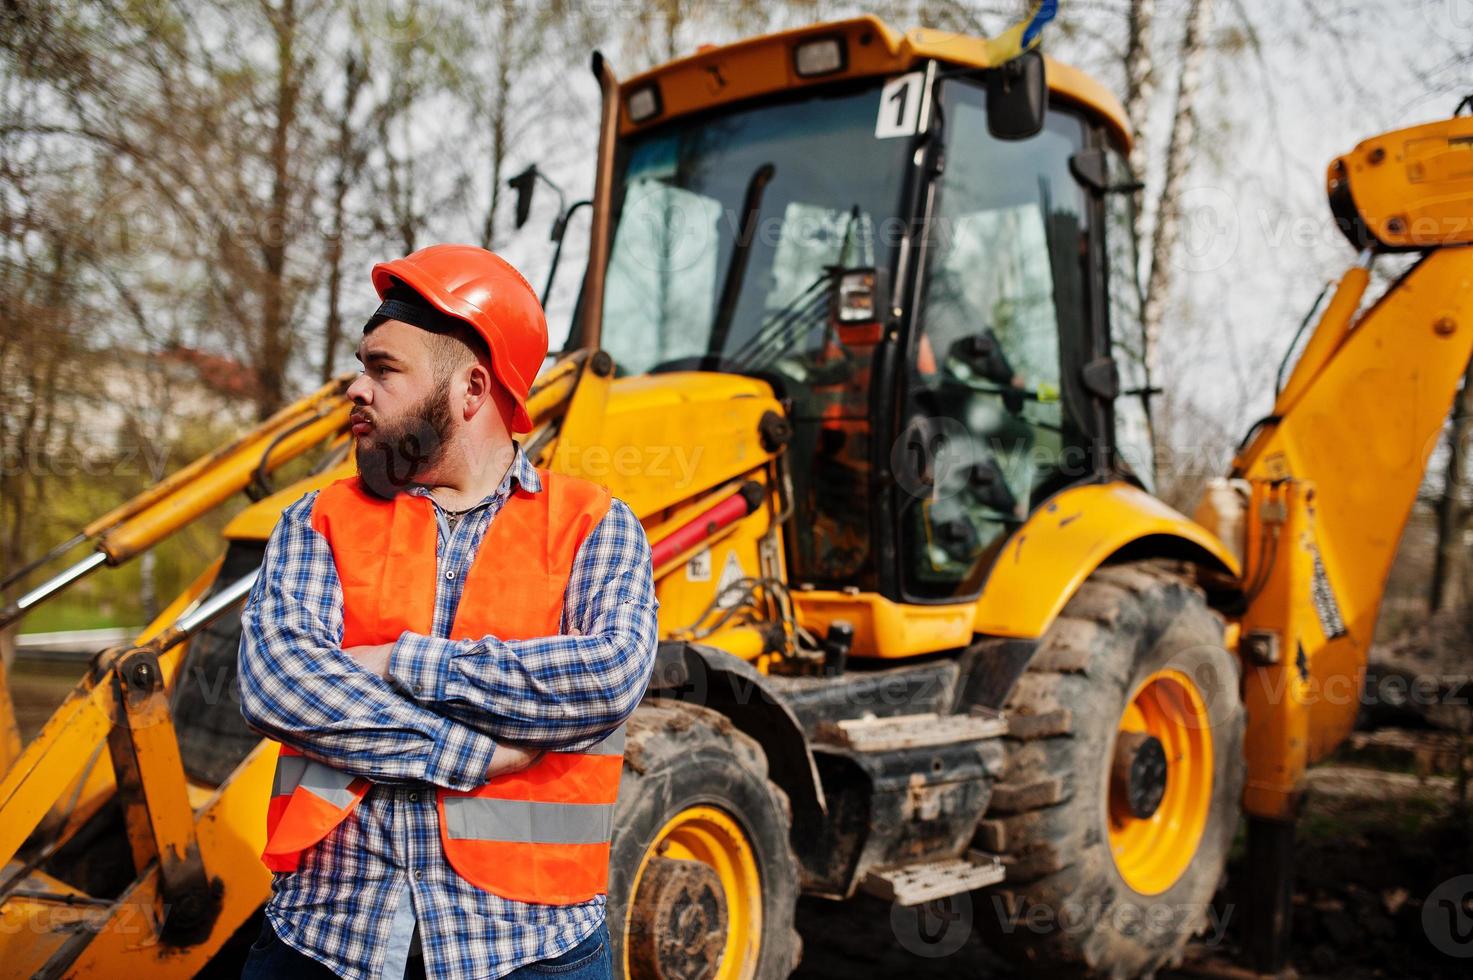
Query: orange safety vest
point(538, 835)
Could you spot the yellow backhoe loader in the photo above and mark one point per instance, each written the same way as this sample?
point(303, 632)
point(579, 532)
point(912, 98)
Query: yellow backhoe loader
point(853, 342)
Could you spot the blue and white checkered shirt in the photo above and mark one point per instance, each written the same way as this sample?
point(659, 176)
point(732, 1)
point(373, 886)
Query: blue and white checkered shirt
point(354, 903)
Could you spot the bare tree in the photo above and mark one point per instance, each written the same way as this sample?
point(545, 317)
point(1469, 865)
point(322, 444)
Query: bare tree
point(1166, 234)
point(349, 156)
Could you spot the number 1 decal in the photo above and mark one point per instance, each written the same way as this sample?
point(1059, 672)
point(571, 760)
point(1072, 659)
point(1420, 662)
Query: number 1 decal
point(900, 106)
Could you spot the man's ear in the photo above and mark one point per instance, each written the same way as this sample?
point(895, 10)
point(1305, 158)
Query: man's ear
point(483, 393)
point(478, 387)
point(500, 401)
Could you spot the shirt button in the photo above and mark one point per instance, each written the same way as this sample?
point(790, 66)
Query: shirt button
point(450, 575)
point(413, 797)
point(419, 876)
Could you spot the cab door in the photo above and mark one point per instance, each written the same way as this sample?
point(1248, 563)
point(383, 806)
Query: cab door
point(994, 417)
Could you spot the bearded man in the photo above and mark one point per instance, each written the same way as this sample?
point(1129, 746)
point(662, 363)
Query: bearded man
point(446, 645)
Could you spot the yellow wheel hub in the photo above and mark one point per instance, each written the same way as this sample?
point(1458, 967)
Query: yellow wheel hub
point(1160, 787)
point(695, 909)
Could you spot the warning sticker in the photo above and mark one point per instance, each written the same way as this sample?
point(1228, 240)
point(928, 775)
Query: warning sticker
point(731, 573)
point(1323, 597)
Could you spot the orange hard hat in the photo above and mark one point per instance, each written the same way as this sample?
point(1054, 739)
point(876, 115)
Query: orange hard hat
point(485, 291)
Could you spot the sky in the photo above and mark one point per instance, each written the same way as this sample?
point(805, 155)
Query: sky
point(1259, 242)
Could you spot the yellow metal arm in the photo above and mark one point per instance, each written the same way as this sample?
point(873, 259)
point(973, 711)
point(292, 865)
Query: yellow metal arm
point(195, 490)
point(1333, 480)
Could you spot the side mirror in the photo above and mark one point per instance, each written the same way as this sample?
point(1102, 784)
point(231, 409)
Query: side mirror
point(523, 183)
point(1017, 97)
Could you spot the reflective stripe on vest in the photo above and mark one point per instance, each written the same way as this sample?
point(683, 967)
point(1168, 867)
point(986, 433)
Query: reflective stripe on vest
point(589, 778)
point(538, 835)
point(478, 818)
point(305, 796)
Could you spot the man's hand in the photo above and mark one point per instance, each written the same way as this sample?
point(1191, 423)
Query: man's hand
point(373, 657)
point(511, 758)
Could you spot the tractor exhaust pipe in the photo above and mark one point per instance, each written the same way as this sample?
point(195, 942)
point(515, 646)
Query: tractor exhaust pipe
point(603, 192)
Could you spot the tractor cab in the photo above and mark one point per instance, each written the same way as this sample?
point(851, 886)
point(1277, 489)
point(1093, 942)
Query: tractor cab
point(914, 249)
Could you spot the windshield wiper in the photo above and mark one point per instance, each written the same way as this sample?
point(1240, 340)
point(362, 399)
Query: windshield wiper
point(736, 268)
point(776, 332)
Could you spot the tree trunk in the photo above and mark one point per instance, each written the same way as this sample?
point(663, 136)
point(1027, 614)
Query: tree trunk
point(674, 15)
point(348, 163)
point(275, 343)
point(1140, 87)
point(1168, 214)
point(506, 51)
point(1452, 514)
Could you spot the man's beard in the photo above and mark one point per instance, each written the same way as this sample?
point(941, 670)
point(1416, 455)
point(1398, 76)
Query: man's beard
point(399, 451)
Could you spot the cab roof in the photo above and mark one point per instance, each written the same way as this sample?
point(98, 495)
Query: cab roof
point(717, 75)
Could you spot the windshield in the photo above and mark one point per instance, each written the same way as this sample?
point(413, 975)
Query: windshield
point(811, 182)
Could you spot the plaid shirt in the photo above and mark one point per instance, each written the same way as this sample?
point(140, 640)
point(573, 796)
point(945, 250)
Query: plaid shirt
point(358, 895)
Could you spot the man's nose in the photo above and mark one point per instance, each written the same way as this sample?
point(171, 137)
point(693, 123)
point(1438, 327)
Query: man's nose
point(358, 390)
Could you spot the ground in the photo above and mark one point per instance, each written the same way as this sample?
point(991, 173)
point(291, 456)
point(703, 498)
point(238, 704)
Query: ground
point(1372, 846)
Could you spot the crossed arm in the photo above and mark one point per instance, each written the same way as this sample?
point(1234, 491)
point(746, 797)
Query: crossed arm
point(555, 692)
point(440, 719)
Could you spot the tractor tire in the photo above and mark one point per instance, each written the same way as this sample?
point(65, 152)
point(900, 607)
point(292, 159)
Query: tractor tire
point(703, 880)
point(1100, 882)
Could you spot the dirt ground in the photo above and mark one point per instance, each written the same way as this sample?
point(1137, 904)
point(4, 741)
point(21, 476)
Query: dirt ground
point(38, 686)
point(1373, 844)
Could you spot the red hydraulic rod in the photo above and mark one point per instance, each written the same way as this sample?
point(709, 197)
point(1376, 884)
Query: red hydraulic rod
point(721, 514)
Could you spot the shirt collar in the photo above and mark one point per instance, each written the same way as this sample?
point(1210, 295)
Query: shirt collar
point(521, 470)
